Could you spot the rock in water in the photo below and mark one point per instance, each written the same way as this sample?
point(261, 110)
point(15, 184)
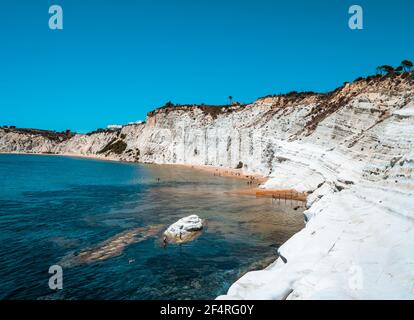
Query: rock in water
point(112, 247)
point(184, 230)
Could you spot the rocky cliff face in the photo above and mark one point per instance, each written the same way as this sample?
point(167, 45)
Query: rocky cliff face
point(351, 150)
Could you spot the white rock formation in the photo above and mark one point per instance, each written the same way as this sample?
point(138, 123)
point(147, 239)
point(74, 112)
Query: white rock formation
point(184, 230)
point(352, 150)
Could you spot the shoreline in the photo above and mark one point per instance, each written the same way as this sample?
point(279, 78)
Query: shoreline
point(254, 180)
point(216, 170)
point(69, 155)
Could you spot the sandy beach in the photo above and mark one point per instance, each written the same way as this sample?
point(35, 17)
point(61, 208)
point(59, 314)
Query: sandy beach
point(253, 183)
point(252, 178)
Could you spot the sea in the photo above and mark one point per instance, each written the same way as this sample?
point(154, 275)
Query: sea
point(55, 211)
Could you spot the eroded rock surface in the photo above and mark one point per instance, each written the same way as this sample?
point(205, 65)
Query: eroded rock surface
point(184, 230)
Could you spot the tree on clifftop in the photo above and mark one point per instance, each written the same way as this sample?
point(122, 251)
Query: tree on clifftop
point(407, 65)
point(231, 99)
point(379, 70)
point(169, 104)
point(399, 69)
point(385, 68)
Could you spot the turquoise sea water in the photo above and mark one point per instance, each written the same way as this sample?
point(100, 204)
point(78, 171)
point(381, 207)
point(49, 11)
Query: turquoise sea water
point(53, 208)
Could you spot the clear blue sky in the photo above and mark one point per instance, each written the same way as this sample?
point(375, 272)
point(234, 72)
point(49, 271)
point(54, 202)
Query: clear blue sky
point(116, 60)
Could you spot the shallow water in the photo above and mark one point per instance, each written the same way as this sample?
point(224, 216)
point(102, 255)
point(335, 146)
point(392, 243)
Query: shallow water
point(54, 208)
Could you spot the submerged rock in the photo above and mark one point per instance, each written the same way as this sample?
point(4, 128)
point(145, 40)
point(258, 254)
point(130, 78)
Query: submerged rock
point(184, 230)
point(112, 247)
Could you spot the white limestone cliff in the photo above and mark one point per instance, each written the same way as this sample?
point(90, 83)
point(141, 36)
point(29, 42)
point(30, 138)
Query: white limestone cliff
point(351, 150)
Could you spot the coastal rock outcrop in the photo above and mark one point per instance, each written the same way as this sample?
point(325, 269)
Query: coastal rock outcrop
point(351, 150)
point(184, 230)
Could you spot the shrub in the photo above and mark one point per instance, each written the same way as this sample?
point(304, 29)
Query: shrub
point(115, 146)
point(406, 65)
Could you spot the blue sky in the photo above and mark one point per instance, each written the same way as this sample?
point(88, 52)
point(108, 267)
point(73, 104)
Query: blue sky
point(116, 60)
